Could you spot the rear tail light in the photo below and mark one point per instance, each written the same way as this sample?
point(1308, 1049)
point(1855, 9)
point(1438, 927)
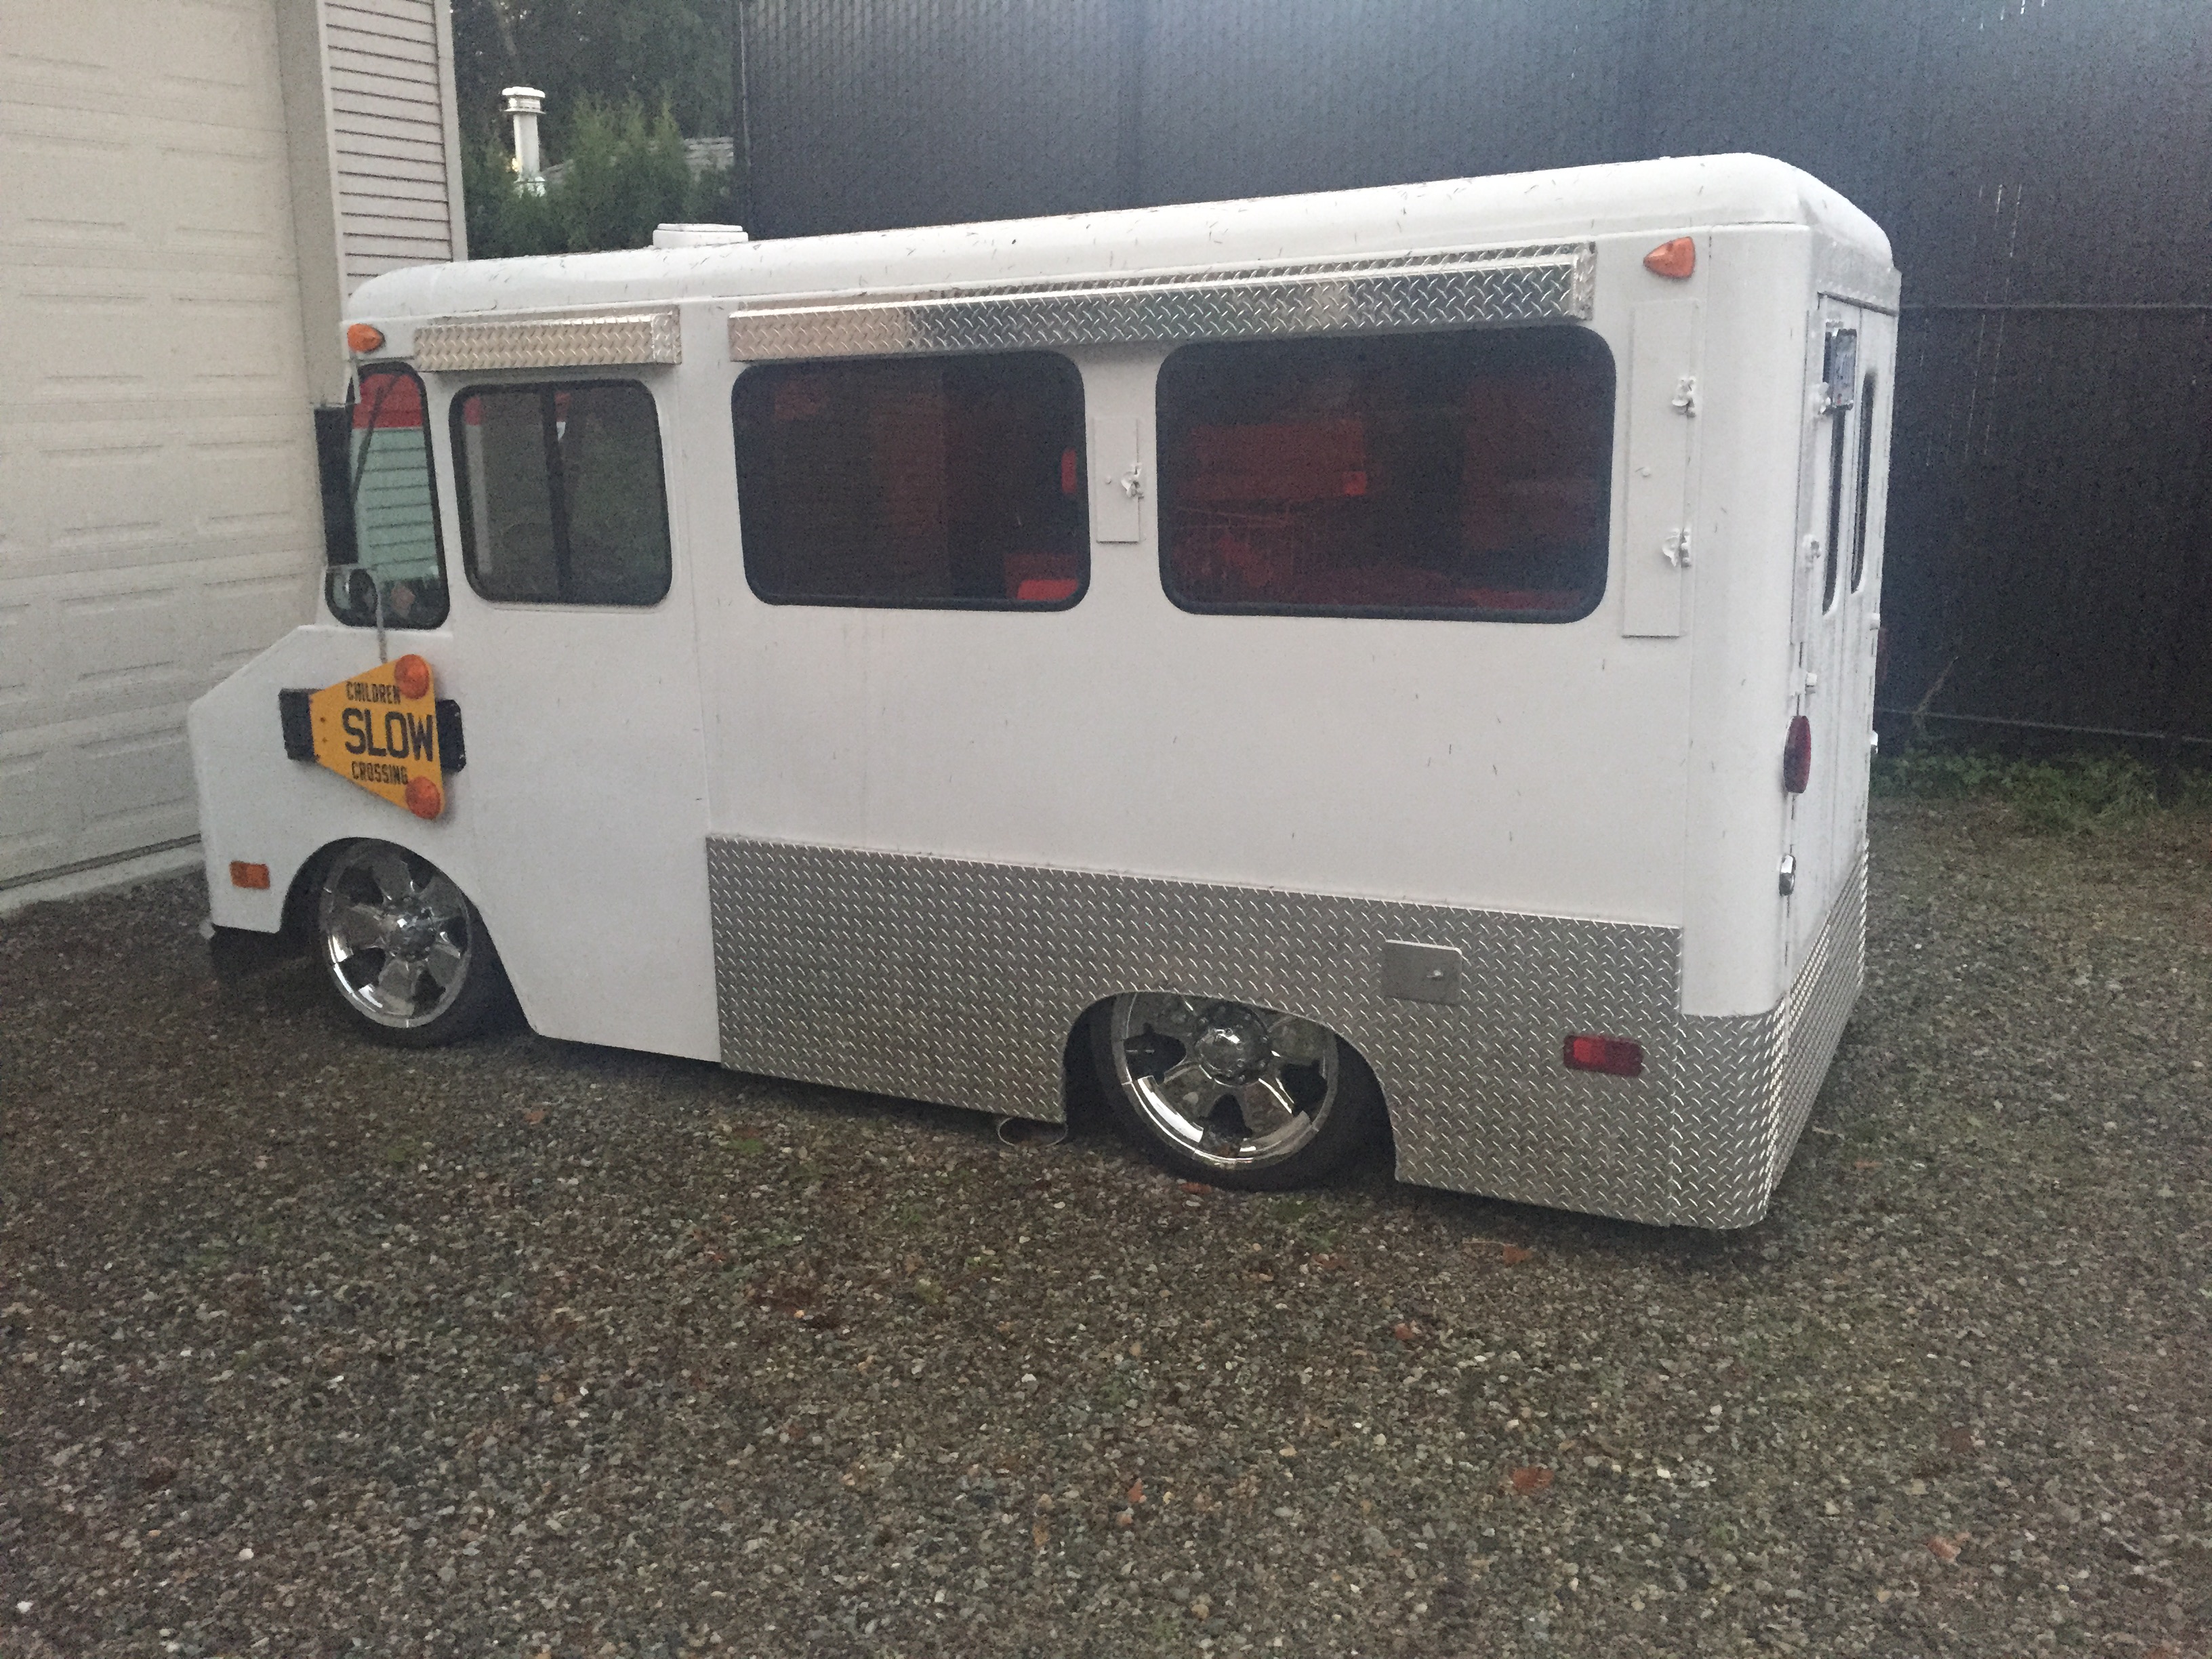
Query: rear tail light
point(1797, 755)
point(1614, 1056)
point(255, 876)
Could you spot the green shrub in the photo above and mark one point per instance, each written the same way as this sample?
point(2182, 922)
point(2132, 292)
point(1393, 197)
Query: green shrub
point(2068, 795)
point(624, 174)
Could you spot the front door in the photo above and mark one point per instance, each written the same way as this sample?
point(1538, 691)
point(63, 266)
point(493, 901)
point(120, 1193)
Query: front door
point(576, 670)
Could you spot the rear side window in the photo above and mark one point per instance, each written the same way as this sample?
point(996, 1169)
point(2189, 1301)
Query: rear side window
point(948, 483)
point(391, 505)
point(1464, 475)
point(562, 501)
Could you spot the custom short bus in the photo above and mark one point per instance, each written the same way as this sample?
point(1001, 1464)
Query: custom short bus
point(1397, 659)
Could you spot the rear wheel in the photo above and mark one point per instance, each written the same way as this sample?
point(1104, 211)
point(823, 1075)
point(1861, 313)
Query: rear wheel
point(1232, 1095)
point(405, 951)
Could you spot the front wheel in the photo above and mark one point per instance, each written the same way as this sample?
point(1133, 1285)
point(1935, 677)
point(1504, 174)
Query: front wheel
point(1235, 1095)
point(405, 951)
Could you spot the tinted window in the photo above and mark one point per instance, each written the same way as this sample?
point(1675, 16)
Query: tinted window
point(950, 482)
point(1866, 476)
point(562, 496)
point(1439, 475)
point(393, 507)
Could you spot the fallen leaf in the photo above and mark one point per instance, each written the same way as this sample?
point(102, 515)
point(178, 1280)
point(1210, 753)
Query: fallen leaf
point(1126, 1518)
point(1407, 1332)
point(911, 1264)
point(1866, 1163)
point(535, 1115)
point(1513, 1255)
point(1136, 1493)
point(1944, 1548)
point(1201, 1607)
point(1195, 1186)
point(1530, 1479)
point(1042, 1533)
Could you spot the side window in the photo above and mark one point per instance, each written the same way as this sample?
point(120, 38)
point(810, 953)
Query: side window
point(392, 504)
point(1839, 372)
point(1866, 470)
point(1452, 474)
point(563, 500)
point(946, 482)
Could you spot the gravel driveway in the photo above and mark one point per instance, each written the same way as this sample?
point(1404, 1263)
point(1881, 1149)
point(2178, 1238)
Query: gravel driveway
point(308, 1347)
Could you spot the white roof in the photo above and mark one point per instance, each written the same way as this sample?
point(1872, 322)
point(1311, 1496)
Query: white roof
point(1672, 194)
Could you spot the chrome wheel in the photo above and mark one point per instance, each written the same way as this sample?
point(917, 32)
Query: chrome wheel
point(398, 938)
point(1233, 1088)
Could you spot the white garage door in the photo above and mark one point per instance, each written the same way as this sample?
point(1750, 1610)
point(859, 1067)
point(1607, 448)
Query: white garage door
point(159, 522)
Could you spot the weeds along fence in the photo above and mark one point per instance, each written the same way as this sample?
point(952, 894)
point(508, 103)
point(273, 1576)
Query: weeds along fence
point(2042, 167)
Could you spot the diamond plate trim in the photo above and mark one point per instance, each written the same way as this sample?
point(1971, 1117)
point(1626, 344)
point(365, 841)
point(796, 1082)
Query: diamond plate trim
point(1546, 283)
point(959, 981)
point(594, 339)
point(1750, 1080)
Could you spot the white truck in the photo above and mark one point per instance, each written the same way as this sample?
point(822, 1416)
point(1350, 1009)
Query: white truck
point(1392, 656)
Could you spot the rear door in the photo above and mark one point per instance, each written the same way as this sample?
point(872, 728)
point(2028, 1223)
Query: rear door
point(1835, 605)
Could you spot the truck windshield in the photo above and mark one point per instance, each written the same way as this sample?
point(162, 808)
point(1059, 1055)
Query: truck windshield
point(395, 515)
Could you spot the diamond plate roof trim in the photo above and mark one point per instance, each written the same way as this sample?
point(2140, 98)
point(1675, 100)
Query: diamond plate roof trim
point(1541, 283)
point(595, 340)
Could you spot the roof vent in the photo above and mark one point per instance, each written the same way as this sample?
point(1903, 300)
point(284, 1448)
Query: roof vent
point(698, 235)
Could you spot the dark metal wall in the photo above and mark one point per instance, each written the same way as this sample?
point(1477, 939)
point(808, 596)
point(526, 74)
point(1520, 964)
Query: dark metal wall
point(2044, 168)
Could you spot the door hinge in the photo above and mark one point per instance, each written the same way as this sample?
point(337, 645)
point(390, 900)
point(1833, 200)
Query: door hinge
point(1686, 395)
point(1676, 547)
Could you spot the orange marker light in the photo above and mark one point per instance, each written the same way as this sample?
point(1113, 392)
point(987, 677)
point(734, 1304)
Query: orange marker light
point(362, 338)
point(412, 676)
point(255, 876)
point(424, 799)
point(1677, 258)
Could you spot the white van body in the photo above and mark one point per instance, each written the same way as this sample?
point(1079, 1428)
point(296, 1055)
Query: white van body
point(905, 850)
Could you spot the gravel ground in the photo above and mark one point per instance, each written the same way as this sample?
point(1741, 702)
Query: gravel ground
point(310, 1347)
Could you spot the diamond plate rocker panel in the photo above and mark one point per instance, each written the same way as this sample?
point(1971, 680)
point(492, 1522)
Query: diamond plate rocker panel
point(1550, 282)
point(1750, 1082)
point(959, 981)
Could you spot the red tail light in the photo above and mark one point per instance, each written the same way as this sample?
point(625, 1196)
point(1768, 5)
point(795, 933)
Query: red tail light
point(1614, 1056)
point(1797, 755)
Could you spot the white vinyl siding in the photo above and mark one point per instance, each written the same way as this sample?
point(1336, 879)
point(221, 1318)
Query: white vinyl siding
point(388, 131)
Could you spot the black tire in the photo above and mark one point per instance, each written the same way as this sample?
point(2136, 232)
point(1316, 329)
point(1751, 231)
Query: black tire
point(405, 954)
point(1349, 1104)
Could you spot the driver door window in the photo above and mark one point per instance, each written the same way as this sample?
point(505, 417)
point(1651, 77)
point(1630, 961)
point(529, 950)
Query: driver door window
point(562, 501)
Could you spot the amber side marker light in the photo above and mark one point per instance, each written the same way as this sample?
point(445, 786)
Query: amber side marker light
point(255, 876)
point(1614, 1056)
point(1677, 258)
point(362, 338)
point(411, 675)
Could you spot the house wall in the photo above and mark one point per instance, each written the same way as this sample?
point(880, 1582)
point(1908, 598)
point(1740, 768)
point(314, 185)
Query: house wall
point(174, 220)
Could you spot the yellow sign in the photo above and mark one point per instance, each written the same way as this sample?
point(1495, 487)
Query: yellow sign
point(380, 730)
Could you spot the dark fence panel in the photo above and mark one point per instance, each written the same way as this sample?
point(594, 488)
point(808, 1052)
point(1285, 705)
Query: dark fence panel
point(2042, 167)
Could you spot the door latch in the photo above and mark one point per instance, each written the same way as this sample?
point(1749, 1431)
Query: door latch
point(1676, 547)
point(1686, 395)
point(1132, 482)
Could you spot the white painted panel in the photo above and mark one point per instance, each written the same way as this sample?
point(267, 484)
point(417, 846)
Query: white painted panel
point(1657, 546)
point(1118, 485)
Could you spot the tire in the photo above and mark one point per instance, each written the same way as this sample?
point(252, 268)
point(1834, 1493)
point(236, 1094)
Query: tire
point(1234, 1096)
point(406, 954)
